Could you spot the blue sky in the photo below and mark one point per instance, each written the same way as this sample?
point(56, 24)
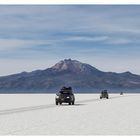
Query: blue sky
point(37, 37)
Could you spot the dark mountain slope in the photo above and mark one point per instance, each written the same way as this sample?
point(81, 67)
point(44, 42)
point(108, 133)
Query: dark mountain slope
point(82, 77)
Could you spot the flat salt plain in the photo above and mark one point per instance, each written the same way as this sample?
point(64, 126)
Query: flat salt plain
point(36, 114)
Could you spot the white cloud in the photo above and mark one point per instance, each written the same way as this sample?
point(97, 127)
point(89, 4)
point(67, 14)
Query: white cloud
point(118, 41)
point(17, 44)
point(86, 38)
point(9, 44)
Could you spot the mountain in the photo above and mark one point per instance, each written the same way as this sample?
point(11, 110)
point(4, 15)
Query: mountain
point(82, 77)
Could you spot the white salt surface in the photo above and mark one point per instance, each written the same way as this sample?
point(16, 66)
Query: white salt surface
point(28, 114)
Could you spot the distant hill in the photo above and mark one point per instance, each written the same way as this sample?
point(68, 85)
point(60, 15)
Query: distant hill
point(82, 77)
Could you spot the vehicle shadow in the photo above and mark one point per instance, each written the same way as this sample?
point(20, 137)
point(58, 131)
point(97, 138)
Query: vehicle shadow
point(77, 104)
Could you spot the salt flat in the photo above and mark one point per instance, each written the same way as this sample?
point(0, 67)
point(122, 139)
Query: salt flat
point(36, 114)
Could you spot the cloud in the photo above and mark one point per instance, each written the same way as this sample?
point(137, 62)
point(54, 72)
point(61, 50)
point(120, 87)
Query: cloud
point(30, 21)
point(17, 44)
point(100, 39)
point(118, 41)
point(86, 38)
point(12, 44)
point(54, 32)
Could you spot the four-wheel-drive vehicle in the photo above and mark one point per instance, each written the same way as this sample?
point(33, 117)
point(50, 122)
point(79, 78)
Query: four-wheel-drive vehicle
point(104, 94)
point(65, 95)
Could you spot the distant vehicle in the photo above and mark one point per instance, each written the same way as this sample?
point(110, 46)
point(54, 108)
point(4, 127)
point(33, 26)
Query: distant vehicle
point(121, 93)
point(65, 95)
point(104, 94)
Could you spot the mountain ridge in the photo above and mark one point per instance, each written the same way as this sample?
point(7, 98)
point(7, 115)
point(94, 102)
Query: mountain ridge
point(81, 76)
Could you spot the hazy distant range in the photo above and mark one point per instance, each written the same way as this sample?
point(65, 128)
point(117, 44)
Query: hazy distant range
point(83, 78)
